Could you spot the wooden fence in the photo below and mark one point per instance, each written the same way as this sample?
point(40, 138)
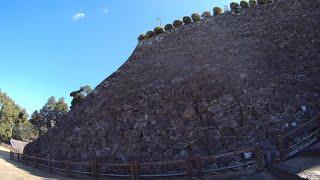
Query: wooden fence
point(196, 166)
point(298, 139)
point(288, 145)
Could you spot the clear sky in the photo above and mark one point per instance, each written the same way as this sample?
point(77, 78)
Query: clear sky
point(52, 47)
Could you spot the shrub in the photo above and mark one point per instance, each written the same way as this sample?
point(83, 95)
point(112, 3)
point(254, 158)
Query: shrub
point(234, 6)
point(217, 11)
point(260, 2)
point(206, 14)
point(142, 37)
point(196, 17)
point(244, 4)
point(177, 23)
point(158, 30)
point(253, 3)
point(150, 34)
point(186, 20)
point(168, 27)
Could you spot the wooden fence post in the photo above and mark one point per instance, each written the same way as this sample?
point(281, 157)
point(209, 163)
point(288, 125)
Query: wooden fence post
point(133, 176)
point(94, 170)
point(67, 163)
point(49, 164)
point(259, 157)
point(189, 168)
point(35, 161)
point(198, 166)
point(318, 123)
point(281, 147)
point(136, 170)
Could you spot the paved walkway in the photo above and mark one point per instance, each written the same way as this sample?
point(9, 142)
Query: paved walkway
point(10, 170)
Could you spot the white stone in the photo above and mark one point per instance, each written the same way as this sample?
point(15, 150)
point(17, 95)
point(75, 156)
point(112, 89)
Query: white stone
point(247, 155)
point(287, 125)
point(294, 124)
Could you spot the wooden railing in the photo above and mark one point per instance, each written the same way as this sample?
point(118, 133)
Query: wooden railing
point(195, 166)
point(296, 140)
point(188, 168)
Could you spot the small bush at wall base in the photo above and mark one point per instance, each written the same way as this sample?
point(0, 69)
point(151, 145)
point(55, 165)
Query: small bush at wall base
point(168, 27)
point(260, 2)
point(217, 11)
point(142, 37)
point(158, 30)
point(244, 4)
point(252, 3)
point(177, 23)
point(234, 6)
point(196, 17)
point(149, 34)
point(186, 20)
point(206, 14)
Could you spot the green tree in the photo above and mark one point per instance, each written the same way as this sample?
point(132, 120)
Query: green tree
point(11, 115)
point(80, 94)
point(49, 115)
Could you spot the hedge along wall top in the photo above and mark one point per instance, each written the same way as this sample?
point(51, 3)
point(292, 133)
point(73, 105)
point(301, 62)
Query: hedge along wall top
point(206, 14)
point(196, 17)
point(260, 2)
point(234, 6)
point(158, 30)
point(244, 4)
point(217, 11)
point(253, 3)
point(142, 37)
point(177, 23)
point(150, 34)
point(168, 27)
point(186, 20)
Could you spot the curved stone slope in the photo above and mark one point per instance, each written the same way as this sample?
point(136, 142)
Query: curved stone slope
point(210, 87)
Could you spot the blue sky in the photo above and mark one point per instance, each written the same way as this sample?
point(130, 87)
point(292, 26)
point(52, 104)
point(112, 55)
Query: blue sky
point(52, 47)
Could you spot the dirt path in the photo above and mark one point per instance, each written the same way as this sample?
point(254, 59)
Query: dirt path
point(10, 170)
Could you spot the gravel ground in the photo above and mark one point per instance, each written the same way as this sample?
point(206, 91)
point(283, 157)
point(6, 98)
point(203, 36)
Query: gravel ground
point(10, 170)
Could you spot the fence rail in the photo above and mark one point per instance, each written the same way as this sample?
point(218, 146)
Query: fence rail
point(301, 137)
point(188, 168)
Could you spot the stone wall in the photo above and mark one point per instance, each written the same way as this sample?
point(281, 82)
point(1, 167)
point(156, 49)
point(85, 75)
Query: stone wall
point(206, 88)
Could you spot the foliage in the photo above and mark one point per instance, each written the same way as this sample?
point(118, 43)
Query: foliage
point(260, 2)
point(234, 6)
point(158, 30)
point(49, 115)
point(244, 4)
point(25, 132)
point(252, 3)
point(186, 20)
point(177, 23)
point(168, 27)
point(80, 94)
point(206, 14)
point(141, 37)
point(10, 115)
point(150, 34)
point(217, 11)
point(196, 17)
